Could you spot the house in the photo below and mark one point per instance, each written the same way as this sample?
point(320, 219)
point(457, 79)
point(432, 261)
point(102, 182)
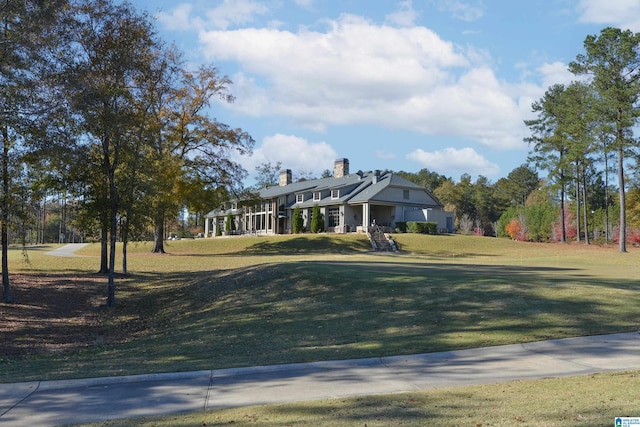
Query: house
point(349, 202)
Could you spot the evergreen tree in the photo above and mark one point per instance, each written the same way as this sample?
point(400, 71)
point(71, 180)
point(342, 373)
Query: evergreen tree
point(317, 220)
point(297, 221)
point(613, 61)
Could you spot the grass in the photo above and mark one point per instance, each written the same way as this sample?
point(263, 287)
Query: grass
point(593, 400)
point(224, 303)
point(220, 303)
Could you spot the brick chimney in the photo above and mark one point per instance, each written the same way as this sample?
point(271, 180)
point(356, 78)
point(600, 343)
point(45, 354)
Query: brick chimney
point(285, 177)
point(340, 168)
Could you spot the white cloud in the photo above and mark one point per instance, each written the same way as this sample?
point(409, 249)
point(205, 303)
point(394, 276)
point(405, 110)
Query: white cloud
point(452, 161)
point(179, 19)
point(228, 13)
point(293, 153)
point(555, 73)
point(463, 10)
point(357, 72)
point(233, 12)
point(619, 13)
point(405, 16)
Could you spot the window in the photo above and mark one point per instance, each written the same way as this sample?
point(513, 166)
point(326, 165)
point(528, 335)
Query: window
point(299, 198)
point(234, 205)
point(405, 194)
point(317, 196)
point(333, 215)
point(335, 194)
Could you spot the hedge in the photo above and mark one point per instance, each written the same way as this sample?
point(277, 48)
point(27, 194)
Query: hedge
point(401, 227)
point(422, 227)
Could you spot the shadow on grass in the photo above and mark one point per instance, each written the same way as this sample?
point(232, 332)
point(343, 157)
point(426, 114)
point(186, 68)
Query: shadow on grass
point(306, 245)
point(310, 311)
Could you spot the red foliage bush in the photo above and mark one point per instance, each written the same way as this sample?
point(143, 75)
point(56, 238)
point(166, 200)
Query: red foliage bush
point(633, 236)
point(514, 229)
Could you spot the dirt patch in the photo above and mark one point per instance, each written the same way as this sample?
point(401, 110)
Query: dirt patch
point(51, 314)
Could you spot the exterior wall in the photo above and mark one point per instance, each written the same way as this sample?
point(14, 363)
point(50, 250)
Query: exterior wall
point(431, 215)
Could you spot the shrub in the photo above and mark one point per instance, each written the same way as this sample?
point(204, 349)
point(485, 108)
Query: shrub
point(539, 220)
point(514, 229)
point(230, 223)
point(633, 236)
point(298, 222)
point(505, 219)
point(317, 220)
point(422, 227)
point(401, 227)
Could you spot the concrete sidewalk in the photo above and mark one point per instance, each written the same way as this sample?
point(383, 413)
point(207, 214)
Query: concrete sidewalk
point(68, 250)
point(98, 399)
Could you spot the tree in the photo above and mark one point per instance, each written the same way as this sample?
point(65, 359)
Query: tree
point(578, 126)
point(114, 52)
point(483, 197)
point(190, 146)
point(449, 196)
point(326, 173)
point(424, 177)
point(229, 223)
point(32, 47)
point(540, 215)
point(317, 220)
point(298, 221)
point(519, 183)
point(612, 59)
point(550, 144)
point(267, 174)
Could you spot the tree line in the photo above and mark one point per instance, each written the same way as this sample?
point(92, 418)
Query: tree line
point(97, 107)
point(583, 137)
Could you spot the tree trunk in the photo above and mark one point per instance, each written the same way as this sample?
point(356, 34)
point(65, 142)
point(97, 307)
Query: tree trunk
point(622, 244)
point(584, 206)
point(4, 227)
point(578, 231)
point(563, 228)
point(606, 196)
point(104, 247)
point(113, 211)
point(158, 245)
point(124, 230)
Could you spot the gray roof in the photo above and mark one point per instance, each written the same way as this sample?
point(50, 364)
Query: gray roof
point(355, 188)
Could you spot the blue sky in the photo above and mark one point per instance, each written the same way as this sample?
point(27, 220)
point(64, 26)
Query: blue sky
point(388, 84)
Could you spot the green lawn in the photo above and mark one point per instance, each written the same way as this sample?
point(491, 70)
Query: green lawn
point(222, 303)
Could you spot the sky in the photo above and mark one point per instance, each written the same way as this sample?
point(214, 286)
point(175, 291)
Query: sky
point(396, 85)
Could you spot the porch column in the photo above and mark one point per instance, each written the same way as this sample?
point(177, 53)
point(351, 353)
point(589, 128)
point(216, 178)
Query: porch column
point(366, 216)
point(206, 226)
